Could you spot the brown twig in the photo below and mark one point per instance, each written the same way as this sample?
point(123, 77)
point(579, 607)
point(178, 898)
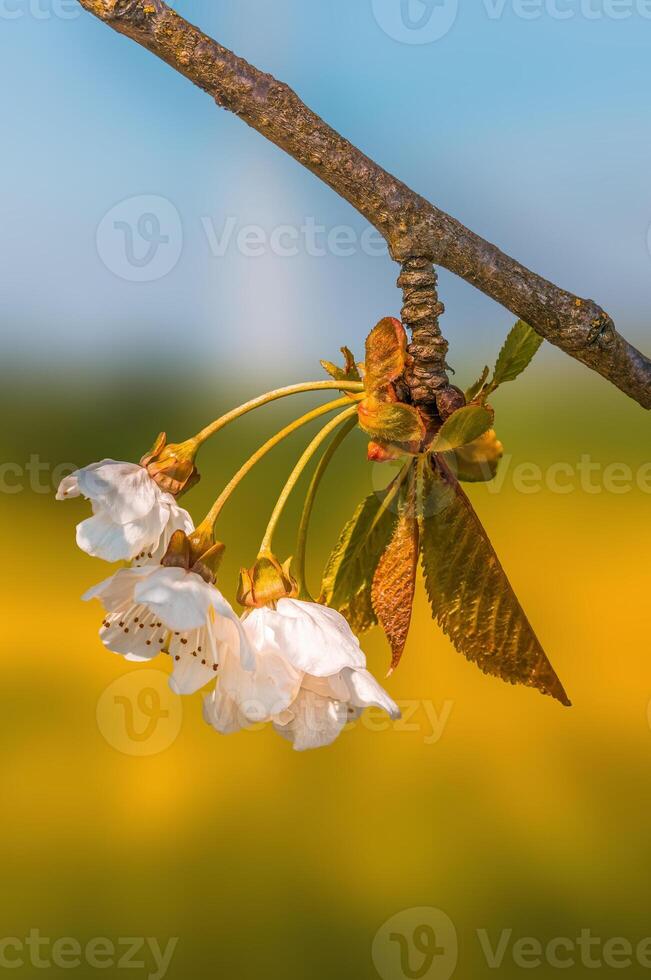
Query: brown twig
point(427, 373)
point(412, 227)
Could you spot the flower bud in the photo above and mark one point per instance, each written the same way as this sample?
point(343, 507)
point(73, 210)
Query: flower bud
point(266, 583)
point(450, 400)
point(384, 452)
point(195, 554)
point(172, 466)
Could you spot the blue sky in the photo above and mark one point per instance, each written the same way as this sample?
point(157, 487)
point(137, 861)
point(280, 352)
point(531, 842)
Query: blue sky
point(526, 119)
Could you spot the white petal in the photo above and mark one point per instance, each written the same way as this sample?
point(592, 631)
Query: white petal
point(69, 487)
point(124, 490)
point(178, 518)
point(134, 633)
point(365, 692)
point(315, 721)
point(117, 591)
point(230, 631)
point(152, 525)
point(181, 599)
point(223, 714)
point(313, 638)
point(327, 687)
point(195, 656)
point(264, 692)
point(100, 537)
point(161, 524)
point(130, 511)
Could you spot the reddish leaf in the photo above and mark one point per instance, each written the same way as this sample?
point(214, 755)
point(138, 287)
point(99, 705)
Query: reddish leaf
point(386, 354)
point(394, 582)
point(349, 372)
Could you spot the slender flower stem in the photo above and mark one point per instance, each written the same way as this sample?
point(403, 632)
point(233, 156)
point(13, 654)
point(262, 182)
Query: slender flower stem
point(295, 475)
point(391, 493)
point(216, 509)
point(308, 507)
point(272, 396)
point(420, 484)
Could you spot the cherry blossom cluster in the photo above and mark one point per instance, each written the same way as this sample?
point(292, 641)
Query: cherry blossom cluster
point(290, 662)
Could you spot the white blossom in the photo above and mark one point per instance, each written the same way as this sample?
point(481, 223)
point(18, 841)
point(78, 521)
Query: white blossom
point(133, 519)
point(156, 609)
point(309, 676)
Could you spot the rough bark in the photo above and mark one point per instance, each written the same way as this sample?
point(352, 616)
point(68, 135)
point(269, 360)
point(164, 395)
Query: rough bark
point(427, 375)
point(412, 227)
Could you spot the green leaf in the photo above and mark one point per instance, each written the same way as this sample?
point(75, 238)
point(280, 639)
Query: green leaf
point(479, 461)
point(462, 428)
point(470, 595)
point(348, 578)
point(517, 353)
point(391, 421)
point(335, 372)
point(475, 388)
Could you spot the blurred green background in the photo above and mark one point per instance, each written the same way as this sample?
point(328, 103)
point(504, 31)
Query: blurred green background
point(490, 803)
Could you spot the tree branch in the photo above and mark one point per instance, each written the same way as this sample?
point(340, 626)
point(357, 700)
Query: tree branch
point(412, 227)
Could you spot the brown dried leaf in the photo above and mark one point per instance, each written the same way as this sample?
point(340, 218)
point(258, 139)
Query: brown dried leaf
point(469, 592)
point(350, 365)
point(394, 582)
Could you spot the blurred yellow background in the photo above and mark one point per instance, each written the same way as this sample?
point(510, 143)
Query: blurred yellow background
point(489, 803)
